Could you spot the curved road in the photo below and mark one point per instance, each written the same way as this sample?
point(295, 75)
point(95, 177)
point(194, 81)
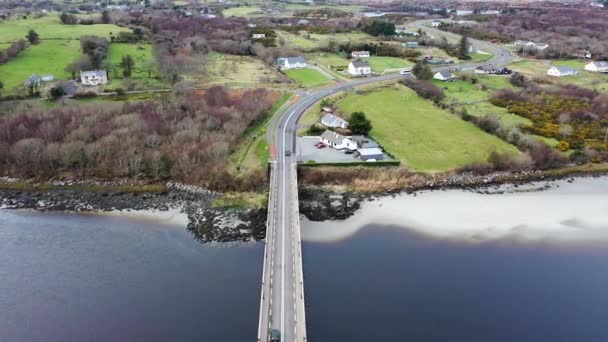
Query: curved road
point(282, 298)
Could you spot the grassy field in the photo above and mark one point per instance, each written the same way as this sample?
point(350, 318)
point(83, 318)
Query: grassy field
point(312, 41)
point(50, 27)
point(243, 11)
point(48, 57)
point(381, 63)
point(420, 134)
point(307, 77)
point(328, 59)
point(239, 70)
point(480, 57)
point(538, 68)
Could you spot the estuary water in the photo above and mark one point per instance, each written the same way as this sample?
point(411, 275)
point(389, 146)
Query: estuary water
point(514, 265)
point(68, 277)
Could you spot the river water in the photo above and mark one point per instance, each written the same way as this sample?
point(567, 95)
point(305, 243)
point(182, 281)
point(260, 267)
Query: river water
point(462, 266)
point(453, 265)
point(102, 278)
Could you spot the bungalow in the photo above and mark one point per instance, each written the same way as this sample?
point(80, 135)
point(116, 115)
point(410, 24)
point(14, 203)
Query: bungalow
point(359, 68)
point(583, 54)
point(333, 121)
point(370, 154)
point(436, 23)
point(360, 54)
point(411, 45)
point(295, 62)
point(94, 77)
point(258, 35)
point(337, 141)
point(444, 75)
point(491, 69)
point(561, 71)
point(597, 66)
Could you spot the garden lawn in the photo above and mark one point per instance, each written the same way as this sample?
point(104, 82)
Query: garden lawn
point(381, 63)
point(307, 77)
point(51, 27)
point(49, 57)
point(420, 134)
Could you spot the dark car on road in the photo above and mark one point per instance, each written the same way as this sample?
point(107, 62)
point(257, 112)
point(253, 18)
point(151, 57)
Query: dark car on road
point(275, 335)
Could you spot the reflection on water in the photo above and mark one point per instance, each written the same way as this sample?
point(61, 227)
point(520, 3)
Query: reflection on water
point(102, 278)
point(461, 266)
point(391, 284)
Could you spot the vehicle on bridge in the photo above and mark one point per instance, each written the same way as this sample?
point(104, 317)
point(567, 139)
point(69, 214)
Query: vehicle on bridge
point(287, 153)
point(275, 335)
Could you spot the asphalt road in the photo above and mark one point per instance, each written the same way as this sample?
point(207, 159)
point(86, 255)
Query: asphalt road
point(282, 298)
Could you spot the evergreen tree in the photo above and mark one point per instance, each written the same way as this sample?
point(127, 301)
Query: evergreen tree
point(359, 123)
point(463, 48)
point(127, 64)
point(105, 17)
point(33, 37)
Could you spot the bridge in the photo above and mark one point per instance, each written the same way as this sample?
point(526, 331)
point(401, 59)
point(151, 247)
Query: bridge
point(282, 296)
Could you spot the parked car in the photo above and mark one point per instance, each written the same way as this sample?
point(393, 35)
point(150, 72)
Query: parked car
point(319, 146)
point(287, 153)
point(349, 151)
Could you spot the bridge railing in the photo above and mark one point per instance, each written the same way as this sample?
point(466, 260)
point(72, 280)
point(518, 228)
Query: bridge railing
point(300, 325)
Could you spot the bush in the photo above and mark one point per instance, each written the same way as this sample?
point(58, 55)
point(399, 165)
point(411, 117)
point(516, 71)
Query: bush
point(425, 89)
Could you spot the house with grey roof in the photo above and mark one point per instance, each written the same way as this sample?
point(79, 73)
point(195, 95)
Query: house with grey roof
point(93, 77)
point(333, 121)
point(294, 62)
point(337, 141)
point(444, 75)
point(561, 71)
point(370, 154)
point(33, 81)
point(359, 68)
point(597, 66)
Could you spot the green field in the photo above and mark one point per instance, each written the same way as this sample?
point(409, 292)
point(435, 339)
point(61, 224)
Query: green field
point(328, 59)
point(50, 27)
point(307, 77)
point(243, 11)
point(480, 57)
point(420, 134)
point(48, 57)
point(381, 63)
point(305, 41)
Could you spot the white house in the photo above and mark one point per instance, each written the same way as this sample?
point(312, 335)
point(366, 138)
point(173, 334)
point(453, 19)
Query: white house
point(527, 45)
point(444, 75)
point(295, 62)
point(463, 12)
point(333, 121)
point(561, 71)
point(337, 141)
point(359, 68)
point(436, 23)
point(491, 12)
point(400, 29)
point(360, 54)
point(258, 35)
point(94, 77)
point(597, 66)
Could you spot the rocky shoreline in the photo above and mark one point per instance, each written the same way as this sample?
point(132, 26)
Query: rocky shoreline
point(206, 223)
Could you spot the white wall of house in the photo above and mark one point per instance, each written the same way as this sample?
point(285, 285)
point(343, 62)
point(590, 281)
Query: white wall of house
point(553, 71)
point(345, 143)
point(358, 71)
point(93, 80)
point(439, 76)
point(593, 67)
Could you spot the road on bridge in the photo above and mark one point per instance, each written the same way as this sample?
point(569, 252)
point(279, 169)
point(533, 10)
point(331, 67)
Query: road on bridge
point(282, 294)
